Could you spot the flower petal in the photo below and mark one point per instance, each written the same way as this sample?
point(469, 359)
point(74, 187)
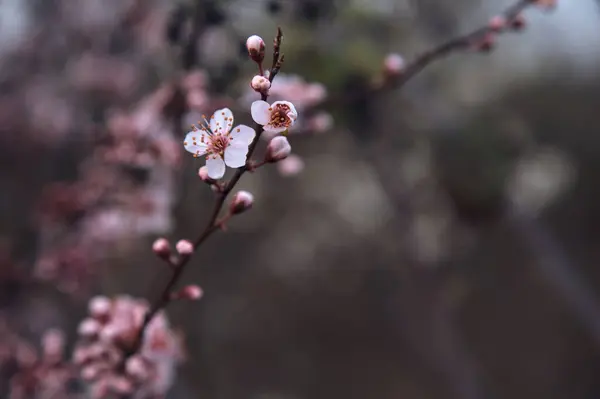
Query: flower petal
point(260, 112)
point(215, 166)
point(235, 155)
point(272, 129)
point(242, 134)
point(195, 142)
point(221, 121)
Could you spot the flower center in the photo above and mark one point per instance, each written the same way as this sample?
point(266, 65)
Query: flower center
point(279, 116)
point(218, 143)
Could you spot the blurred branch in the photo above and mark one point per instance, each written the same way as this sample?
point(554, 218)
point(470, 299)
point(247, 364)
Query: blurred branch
point(554, 266)
point(480, 40)
point(464, 42)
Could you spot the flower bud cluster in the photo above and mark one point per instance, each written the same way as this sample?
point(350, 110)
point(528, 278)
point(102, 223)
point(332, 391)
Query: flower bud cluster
point(105, 338)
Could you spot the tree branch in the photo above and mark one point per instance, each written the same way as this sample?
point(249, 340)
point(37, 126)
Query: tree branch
point(178, 265)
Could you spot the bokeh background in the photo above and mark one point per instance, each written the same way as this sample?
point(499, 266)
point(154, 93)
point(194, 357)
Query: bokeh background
point(441, 241)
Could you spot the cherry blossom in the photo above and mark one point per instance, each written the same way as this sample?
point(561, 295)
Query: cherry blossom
point(221, 144)
point(275, 118)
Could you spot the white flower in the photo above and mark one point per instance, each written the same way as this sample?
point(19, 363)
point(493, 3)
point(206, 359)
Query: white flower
point(221, 144)
point(277, 117)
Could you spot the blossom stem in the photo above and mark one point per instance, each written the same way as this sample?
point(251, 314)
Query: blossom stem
point(212, 226)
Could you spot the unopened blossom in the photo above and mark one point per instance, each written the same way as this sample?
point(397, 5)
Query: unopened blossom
point(278, 149)
point(221, 144)
point(242, 201)
point(191, 292)
point(99, 306)
point(497, 23)
point(275, 118)
point(53, 343)
point(102, 358)
point(291, 166)
point(203, 174)
point(88, 327)
point(161, 248)
point(321, 122)
point(184, 247)
point(393, 63)
point(256, 48)
point(260, 84)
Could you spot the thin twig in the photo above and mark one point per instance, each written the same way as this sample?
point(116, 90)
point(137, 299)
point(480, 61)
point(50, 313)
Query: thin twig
point(456, 44)
point(277, 56)
point(422, 61)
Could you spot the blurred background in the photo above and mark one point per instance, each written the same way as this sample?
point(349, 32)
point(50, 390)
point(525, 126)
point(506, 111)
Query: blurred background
point(432, 242)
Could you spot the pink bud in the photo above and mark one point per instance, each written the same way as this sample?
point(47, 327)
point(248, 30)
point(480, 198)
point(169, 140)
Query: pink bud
point(185, 247)
point(90, 372)
point(99, 306)
point(52, 343)
point(260, 84)
point(192, 292)
point(290, 166)
point(256, 48)
point(393, 64)
point(242, 201)
point(88, 328)
point(136, 367)
point(203, 173)
point(279, 148)
point(109, 333)
point(162, 248)
point(321, 122)
point(497, 23)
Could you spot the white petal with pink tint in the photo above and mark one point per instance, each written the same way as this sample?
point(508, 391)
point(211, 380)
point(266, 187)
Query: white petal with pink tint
point(193, 143)
point(221, 121)
point(260, 112)
point(215, 166)
point(235, 155)
point(242, 134)
point(272, 129)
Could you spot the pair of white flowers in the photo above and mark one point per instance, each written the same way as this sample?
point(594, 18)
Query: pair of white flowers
point(223, 145)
